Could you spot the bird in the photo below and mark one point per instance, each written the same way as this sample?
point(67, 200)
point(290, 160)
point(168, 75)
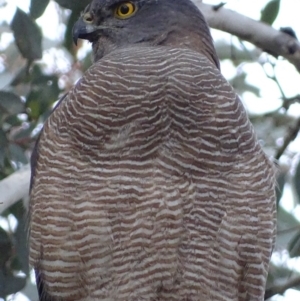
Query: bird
point(148, 181)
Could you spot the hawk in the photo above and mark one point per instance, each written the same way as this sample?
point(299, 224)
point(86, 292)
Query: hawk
point(148, 182)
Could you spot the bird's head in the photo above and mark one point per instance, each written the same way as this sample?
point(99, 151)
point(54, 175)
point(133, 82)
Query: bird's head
point(111, 24)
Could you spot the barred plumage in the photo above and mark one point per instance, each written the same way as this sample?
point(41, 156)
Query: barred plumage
point(149, 184)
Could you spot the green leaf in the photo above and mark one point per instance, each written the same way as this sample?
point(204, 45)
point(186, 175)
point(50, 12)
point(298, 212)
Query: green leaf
point(281, 179)
point(287, 226)
point(21, 245)
point(27, 35)
point(44, 93)
point(23, 76)
point(37, 7)
point(16, 153)
point(13, 121)
point(240, 84)
point(3, 145)
point(77, 5)
point(270, 11)
point(5, 247)
point(294, 246)
point(296, 181)
point(278, 272)
point(285, 220)
point(15, 264)
point(11, 103)
point(17, 210)
point(10, 284)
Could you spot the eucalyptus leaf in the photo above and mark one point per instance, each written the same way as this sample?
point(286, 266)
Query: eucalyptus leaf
point(281, 180)
point(17, 153)
point(270, 12)
point(294, 246)
point(3, 145)
point(240, 84)
point(27, 36)
point(77, 5)
point(21, 246)
point(11, 103)
point(5, 247)
point(287, 227)
point(10, 284)
point(296, 181)
point(37, 7)
point(21, 77)
point(44, 93)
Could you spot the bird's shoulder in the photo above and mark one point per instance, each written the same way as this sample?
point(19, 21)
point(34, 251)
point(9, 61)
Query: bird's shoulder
point(134, 69)
point(143, 59)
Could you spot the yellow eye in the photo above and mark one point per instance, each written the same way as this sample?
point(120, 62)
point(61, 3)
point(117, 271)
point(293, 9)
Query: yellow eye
point(125, 10)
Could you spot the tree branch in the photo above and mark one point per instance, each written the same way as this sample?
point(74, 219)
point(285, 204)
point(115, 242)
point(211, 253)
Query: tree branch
point(260, 34)
point(14, 188)
point(290, 136)
point(280, 289)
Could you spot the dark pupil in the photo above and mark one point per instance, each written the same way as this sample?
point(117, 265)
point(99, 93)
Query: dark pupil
point(124, 9)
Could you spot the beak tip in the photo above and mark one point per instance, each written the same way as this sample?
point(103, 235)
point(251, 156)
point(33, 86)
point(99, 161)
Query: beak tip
point(81, 30)
point(75, 35)
point(75, 39)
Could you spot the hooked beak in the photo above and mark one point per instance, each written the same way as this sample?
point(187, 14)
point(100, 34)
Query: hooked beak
point(83, 30)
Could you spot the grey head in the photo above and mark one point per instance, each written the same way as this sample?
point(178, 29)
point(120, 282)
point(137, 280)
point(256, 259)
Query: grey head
point(111, 24)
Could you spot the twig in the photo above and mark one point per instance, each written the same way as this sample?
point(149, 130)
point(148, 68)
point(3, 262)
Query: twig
point(275, 79)
point(288, 230)
point(280, 289)
point(260, 34)
point(289, 101)
point(218, 6)
point(290, 136)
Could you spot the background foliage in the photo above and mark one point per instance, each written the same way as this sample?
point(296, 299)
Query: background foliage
point(32, 88)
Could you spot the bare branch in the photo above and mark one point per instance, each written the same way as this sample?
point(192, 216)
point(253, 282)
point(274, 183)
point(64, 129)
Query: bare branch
point(280, 289)
point(287, 102)
point(260, 34)
point(290, 136)
point(288, 230)
point(14, 188)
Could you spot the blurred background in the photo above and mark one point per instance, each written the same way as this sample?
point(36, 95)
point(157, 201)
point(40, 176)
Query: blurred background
point(39, 63)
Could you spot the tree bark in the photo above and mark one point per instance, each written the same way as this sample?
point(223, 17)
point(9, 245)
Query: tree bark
point(260, 34)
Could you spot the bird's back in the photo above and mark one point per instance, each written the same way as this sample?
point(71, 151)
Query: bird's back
point(150, 185)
